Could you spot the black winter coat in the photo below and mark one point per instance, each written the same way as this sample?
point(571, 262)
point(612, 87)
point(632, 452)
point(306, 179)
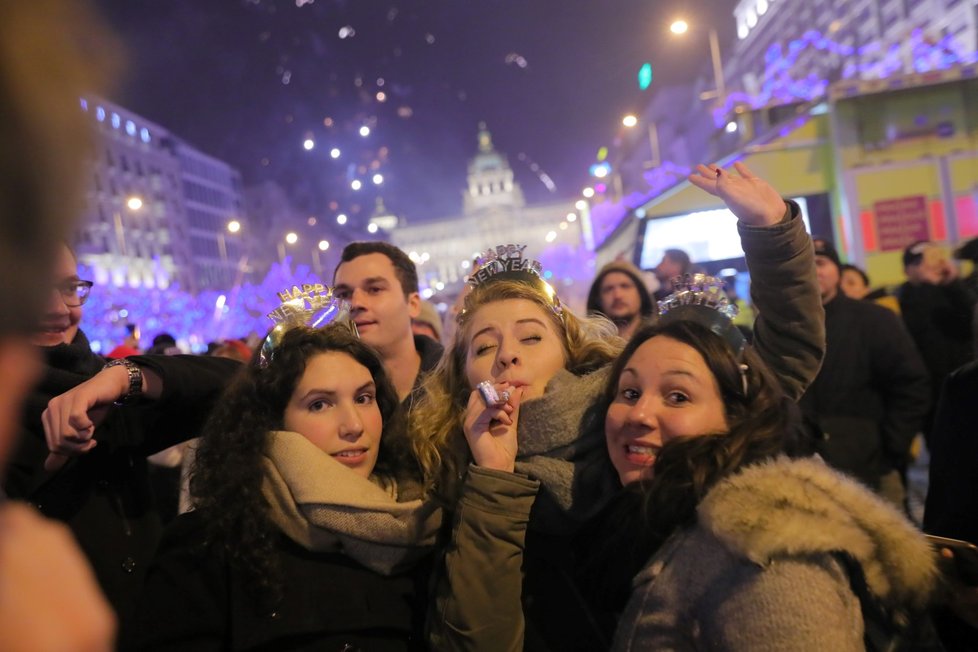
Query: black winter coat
point(871, 395)
point(195, 601)
point(103, 496)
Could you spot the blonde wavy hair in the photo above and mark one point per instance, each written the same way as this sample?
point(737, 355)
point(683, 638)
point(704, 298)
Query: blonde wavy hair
point(436, 419)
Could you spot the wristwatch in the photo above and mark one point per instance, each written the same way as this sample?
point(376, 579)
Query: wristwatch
point(135, 379)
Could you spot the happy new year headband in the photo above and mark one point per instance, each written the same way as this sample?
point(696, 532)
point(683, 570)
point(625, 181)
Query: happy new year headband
point(506, 262)
point(313, 305)
point(700, 298)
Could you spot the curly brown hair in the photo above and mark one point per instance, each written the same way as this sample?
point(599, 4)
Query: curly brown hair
point(436, 420)
point(226, 477)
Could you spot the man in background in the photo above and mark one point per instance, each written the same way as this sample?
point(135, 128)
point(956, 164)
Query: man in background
point(937, 309)
point(869, 399)
point(619, 293)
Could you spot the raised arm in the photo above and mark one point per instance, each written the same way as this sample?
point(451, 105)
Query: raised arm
point(789, 333)
point(180, 390)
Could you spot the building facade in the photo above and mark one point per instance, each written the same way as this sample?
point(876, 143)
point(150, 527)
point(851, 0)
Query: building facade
point(157, 208)
point(495, 212)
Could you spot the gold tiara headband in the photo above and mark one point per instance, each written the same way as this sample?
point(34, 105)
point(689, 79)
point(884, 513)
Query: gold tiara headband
point(506, 262)
point(700, 298)
point(311, 304)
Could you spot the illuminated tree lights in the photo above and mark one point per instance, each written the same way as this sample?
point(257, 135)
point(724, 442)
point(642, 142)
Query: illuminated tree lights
point(192, 320)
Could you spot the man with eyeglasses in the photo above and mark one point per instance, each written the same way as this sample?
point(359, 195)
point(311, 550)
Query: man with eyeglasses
point(103, 495)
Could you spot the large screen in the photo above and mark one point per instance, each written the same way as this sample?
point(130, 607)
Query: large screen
point(704, 235)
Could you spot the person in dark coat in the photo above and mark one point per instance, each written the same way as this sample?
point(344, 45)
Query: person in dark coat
point(870, 397)
point(103, 495)
point(309, 532)
point(952, 493)
point(937, 309)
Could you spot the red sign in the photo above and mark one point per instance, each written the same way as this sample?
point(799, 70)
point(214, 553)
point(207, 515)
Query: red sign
point(900, 222)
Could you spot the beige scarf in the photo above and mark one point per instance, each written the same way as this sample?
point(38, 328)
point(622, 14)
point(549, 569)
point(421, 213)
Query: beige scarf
point(324, 506)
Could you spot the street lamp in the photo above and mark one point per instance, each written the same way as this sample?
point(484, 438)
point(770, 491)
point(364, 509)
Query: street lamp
point(233, 226)
point(653, 134)
point(322, 246)
point(681, 27)
point(134, 203)
point(290, 238)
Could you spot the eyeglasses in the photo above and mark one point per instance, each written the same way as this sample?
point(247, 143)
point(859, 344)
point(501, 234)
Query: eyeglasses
point(74, 293)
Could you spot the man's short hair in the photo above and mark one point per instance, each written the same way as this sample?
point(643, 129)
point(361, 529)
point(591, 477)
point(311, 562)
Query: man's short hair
point(404, 269)
point(679, 256)
point(847, 267)
point(914, 253)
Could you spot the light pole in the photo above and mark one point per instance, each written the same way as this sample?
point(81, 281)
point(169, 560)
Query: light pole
point(317, 266)
point(681, 27)
point(630, 121)
point(290, 238)
point(134, 203)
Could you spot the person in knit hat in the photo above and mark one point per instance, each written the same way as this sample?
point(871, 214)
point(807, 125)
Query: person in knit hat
point(619, 293)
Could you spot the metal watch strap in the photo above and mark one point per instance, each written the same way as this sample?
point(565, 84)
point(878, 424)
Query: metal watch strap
point(135, 379)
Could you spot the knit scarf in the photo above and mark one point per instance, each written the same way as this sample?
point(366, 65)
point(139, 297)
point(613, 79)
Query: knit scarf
point(324, 506)
point(561, 444)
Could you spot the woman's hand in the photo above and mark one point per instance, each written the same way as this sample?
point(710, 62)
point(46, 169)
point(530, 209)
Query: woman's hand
point(750, 198)
point(491, 431)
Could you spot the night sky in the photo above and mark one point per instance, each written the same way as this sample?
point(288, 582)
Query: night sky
point(248, 80)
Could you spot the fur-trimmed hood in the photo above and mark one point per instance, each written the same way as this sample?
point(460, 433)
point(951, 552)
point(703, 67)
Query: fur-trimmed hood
point(801, 507)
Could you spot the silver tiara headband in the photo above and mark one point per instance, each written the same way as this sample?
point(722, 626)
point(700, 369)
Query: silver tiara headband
point(506, 262)
point(311, 304)
point(700, 298)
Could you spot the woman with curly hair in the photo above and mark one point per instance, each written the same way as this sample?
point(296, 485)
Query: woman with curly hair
point(524, 472)
point(309, 531)
point(723, 542)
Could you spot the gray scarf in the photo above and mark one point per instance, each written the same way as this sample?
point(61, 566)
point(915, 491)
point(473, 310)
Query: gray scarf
point(562, 444)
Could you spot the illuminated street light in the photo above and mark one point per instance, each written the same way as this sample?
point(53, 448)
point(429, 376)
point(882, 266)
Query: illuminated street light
point(355, 184)
point(341, 219)
point(681, 27)
point(372, 228)
point(731, 127)
point(364, 131)
point(551, 236)
point(308, 144)
point(134, 203)
point(335, 152)
point(588, 192)
point(234, 226)
point(571, 217)
point(629, 120)
point(291, 237)
point(378, 179)
point(580, 204)
point(323, 245)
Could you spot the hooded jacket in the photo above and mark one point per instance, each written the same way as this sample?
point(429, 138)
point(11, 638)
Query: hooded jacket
point(768, 566)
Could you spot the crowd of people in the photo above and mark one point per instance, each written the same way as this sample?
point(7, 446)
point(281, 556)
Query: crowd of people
point(650, 475)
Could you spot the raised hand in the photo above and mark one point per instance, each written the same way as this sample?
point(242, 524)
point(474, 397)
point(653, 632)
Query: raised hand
point(491, 431)
point(750, 198)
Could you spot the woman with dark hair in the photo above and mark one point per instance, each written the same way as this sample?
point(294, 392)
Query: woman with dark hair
point(735, 546)
point(309, 531)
